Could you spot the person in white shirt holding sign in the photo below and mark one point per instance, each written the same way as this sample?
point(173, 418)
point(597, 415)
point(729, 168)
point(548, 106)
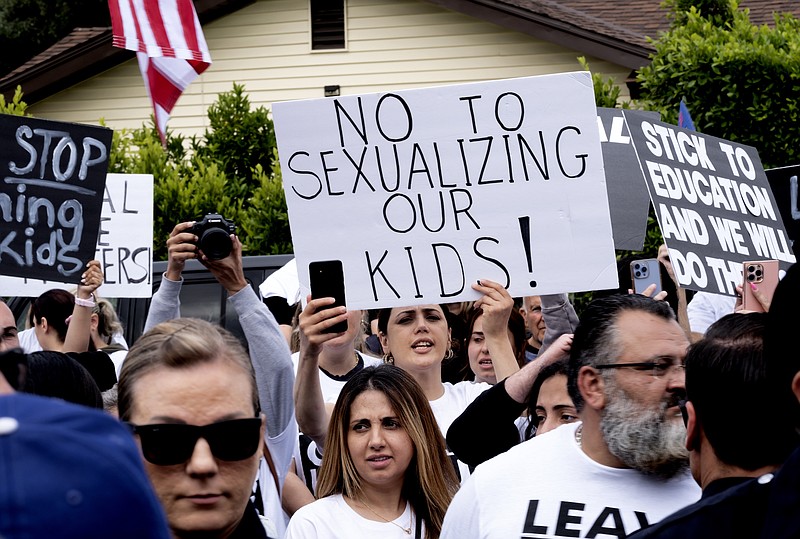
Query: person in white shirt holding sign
point(417, 339)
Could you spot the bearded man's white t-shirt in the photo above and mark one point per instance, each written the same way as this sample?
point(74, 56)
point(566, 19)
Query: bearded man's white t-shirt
point(547, 487)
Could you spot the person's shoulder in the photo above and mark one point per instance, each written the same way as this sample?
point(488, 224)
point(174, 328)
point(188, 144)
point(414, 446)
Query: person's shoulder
point(735, 511)
point(545, 449)
point(465, 391)
point(322, 506)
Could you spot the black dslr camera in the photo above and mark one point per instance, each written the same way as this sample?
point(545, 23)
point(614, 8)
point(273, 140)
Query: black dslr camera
point(214, 236)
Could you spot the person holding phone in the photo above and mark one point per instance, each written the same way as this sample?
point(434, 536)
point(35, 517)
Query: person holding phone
point(417, 339)
point(325, 362)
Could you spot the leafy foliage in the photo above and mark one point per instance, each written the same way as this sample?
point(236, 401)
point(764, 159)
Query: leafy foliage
point(741, 82)
point(232, 170)
point(240, 139)
point(606, 91)
point(17, 107)
point(719, 12)
point(28, 27)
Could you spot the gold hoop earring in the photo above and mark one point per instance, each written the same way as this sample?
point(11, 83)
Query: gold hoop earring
point(388, 358)
point(450, 354)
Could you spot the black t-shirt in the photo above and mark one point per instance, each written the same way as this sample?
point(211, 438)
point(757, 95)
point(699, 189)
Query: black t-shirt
point(99, 365)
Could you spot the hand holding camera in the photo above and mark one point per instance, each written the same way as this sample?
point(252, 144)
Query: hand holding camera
point(211, 236)
point(214, 236)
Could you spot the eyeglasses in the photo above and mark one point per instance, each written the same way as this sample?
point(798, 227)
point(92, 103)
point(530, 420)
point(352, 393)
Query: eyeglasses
point(656, 369)
point(166, 444)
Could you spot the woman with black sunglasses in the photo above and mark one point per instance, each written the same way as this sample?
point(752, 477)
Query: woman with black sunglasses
point(188, 390)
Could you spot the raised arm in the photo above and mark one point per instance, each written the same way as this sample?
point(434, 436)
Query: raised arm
point(80, 323)
point(312, 415)
point(269, 352)
point(487, 426)
point(496, 305)
point(166, 303)
point(682, 314)
point(559, 318)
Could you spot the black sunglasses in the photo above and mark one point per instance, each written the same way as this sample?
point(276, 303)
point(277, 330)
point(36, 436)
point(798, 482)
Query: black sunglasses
point(166, 444)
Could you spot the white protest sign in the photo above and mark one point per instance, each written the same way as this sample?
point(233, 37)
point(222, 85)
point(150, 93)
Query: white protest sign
point(420, 193)
point(713, 203)
point(124, 243)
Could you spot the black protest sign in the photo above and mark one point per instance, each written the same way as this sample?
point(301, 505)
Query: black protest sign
point(51, 194)
point(783, 182)
point(628, 200)
point(712, 201)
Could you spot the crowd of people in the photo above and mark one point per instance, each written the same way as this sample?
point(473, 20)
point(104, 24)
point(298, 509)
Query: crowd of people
point(504, 417)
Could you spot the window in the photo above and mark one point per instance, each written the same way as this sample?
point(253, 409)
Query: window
point(327, 24)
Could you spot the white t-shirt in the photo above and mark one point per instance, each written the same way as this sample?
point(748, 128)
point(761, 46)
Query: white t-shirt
point(455, 400)
point(548, 487)
point(706, 308)
point(332, 385)
point(283, 282)
point(332, 518)
point(449, 406)
point(307, 457)
point(280, 448)
point(30, 343)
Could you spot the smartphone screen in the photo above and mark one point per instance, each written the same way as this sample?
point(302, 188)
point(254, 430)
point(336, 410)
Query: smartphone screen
point(327, 281)
point(764, 275)
point(645, 272)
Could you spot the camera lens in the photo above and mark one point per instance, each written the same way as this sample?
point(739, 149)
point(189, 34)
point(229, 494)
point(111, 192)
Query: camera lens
point(215, 243)
point(751, 277)
point(751, 268)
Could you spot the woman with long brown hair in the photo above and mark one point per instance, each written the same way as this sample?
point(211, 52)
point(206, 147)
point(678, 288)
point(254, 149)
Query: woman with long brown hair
point(385, 471)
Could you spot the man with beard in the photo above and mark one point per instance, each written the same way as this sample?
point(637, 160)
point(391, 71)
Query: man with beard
point(726, 371)
point(623, 467)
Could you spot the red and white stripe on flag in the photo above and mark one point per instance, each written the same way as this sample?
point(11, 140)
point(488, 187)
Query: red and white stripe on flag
point(169, 44)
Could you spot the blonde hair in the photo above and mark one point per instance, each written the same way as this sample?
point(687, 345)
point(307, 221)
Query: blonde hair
point(108, 322)
point(179, 344)
point(430, 480)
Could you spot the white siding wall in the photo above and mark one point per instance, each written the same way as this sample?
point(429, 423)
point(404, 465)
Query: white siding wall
point(391, 44)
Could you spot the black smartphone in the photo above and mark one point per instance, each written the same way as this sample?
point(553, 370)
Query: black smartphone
point(326, 278)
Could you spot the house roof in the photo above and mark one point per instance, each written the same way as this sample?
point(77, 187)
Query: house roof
point(614, 30)
point(85, 53)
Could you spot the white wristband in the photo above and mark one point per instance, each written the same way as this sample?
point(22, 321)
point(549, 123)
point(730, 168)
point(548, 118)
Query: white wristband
point(84, 302)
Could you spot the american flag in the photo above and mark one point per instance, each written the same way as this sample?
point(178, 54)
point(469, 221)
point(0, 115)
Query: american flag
point(169, 45)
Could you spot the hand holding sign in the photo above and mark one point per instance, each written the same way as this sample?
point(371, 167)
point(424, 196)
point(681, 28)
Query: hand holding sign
point(712, 201)
point(91, 280)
